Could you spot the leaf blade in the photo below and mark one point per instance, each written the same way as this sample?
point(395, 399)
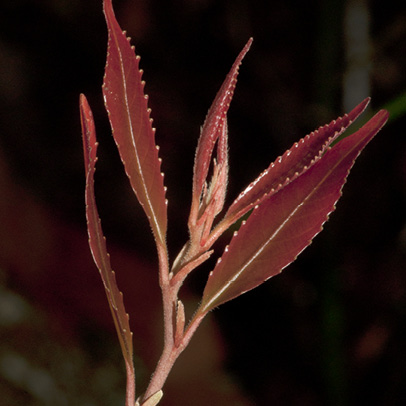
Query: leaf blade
point(280, 228)
point(97, 241)
point(129, 116)
point(293, 162)
point(212, 128)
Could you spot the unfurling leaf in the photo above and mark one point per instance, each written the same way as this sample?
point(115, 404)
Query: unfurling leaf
point(129, 116)
point(180, 323)
point(214, 196)
point(97, 241)
point(212, 130)
point(285, 223)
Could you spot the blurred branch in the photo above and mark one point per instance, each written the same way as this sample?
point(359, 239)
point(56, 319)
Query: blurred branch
point(357, 49)
point(396, 107)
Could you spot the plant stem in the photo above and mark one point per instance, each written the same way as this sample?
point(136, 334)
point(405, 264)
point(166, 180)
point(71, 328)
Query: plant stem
point(170, 355)
point(170, 289)
point(130, 387)
point(167, 296)
point(180, 276)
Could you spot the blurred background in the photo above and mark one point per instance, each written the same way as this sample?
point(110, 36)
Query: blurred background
point(331, 330)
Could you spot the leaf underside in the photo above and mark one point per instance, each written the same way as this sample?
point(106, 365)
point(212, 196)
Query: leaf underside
point(129, 116)
point(285, 223)
point(97, 241)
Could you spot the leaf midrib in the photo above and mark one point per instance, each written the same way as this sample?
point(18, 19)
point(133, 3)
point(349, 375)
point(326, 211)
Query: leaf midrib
point(152, 215)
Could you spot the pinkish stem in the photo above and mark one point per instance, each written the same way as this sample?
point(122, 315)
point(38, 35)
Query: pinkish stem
point(130, 388)
point(169, 356)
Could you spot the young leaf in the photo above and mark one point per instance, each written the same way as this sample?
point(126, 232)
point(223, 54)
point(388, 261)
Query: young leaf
point(97, 244)
point(211, 130)
point(286, 222)
point(213, 197)
point(291, 164)
point(129, 115)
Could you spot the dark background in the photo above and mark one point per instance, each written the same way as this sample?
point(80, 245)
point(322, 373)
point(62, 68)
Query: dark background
point(330, 330)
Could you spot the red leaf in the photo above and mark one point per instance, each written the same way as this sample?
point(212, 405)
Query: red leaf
point(97, 241)
point(291, 164)
point(129, 115)
point(286, 222)
point(213, 198)
point(211, 130)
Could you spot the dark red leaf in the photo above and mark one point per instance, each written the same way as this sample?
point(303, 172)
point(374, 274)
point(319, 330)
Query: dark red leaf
point(97, 241)
point(211, 130)
point(286, 222)
point(129, 115)
point(291, 164)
